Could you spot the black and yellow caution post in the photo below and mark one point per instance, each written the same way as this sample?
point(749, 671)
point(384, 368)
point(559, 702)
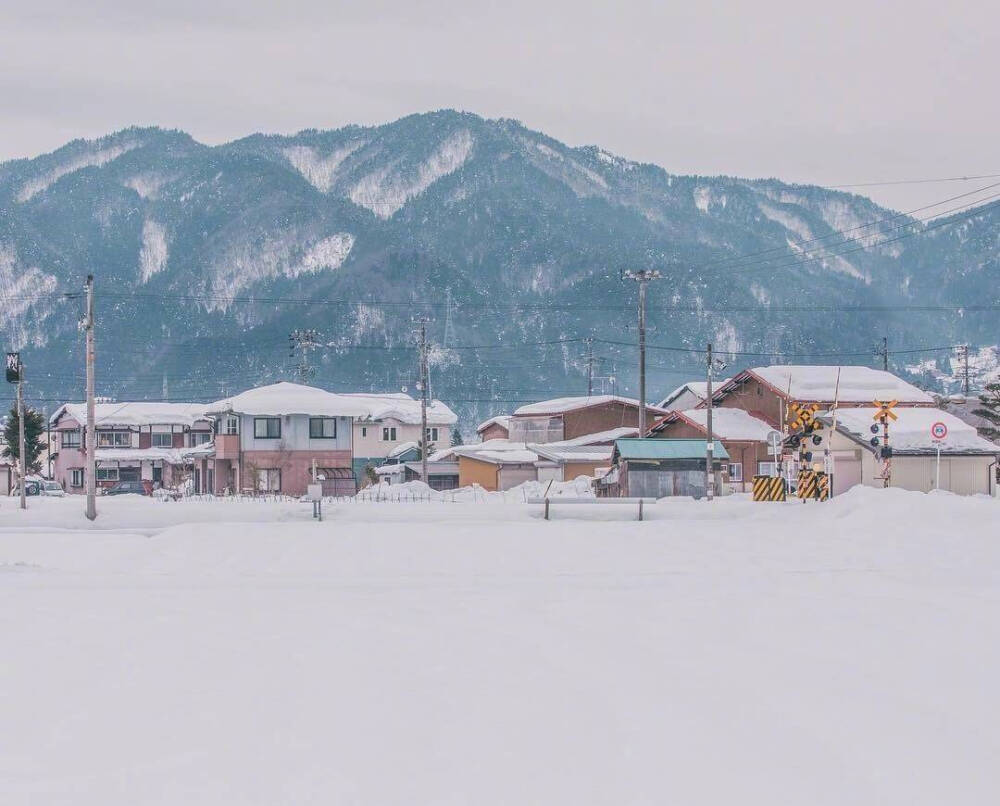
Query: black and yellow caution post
point(768, 488)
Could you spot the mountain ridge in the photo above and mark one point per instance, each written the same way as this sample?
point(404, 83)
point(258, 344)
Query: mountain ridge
point(505, 232)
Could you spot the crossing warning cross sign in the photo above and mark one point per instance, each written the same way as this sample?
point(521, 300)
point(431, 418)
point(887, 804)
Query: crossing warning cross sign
point(884, 411)
point(801, 415)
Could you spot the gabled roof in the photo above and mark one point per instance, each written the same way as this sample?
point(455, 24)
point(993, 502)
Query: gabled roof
point(503, 420)
point(560, 405)
point(697, 388)
point(910, 433)
point(599, 438)
point(134, 413)
point(563, 454)
point(667, 449)
point(402, 407)
point(290, 398)
point(497, 451)
point(857, 384)
point(730, 424)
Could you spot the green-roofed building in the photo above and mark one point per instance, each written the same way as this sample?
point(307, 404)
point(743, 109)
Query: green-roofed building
point(656, 468)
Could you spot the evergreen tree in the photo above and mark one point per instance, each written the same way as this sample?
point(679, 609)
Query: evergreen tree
point(34, 429)
point(456, 436)
point(990, 400)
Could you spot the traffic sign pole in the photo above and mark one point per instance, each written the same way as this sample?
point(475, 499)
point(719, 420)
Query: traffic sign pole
point(938, 432)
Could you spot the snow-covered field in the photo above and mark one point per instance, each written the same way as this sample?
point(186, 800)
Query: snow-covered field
point(732, 653)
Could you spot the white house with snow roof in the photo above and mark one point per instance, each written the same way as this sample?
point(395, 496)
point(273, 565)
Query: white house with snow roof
point(392, 420)
point(968, 463)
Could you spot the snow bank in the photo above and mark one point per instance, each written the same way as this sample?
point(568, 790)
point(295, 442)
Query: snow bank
point(443, 653)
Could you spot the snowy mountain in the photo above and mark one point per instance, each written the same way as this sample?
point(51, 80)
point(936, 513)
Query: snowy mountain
point(500, 234)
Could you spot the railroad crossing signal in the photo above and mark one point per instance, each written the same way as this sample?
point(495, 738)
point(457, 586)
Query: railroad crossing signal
point(885, 411)
point(802, 416)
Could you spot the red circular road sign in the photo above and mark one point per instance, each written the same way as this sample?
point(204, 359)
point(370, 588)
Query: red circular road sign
point(939, 430)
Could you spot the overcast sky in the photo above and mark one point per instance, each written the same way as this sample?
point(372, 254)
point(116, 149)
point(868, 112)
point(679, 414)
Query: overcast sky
point(835, 93)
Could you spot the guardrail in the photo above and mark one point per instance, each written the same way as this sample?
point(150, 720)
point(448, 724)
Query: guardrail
point(637, 502)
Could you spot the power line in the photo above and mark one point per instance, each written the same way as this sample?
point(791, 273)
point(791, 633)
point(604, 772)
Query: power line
point(912, 181)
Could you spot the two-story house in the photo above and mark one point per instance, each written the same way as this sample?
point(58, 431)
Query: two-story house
point(766, 392)
point(270, 438)
point(392, 421)
point(571, 417)
point(157, 442)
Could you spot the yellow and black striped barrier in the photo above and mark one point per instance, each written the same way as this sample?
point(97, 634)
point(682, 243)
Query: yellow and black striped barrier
point(813, 484)
point(823, 486)
point(768, 488)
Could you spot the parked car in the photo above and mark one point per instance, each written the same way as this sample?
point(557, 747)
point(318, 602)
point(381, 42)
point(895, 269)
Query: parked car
point(130, 488)
point(51, 488)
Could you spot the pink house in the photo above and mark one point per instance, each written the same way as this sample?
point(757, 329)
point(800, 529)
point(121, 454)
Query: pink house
point(167, 444)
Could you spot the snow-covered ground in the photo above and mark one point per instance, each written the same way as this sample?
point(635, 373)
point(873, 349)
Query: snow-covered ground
point(724, 653)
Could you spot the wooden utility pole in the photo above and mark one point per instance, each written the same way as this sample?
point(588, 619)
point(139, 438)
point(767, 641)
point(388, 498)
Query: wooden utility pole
point(20, 434)
point(424, 383)
point(965, 360)
point(91, 469)
point(710, 443)
point(590, 366)
point(642, 276)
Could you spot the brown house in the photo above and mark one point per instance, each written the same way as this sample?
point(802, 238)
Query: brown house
point(765, 392)
point(742, 435)
point(567, 418)
point(494, 428)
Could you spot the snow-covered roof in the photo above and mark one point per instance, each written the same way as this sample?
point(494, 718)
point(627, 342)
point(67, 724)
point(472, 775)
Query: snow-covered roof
point(697, 388)
point(170, 455)
point(135, 413)
point(402, 448)
point(730, 424)
point(559, 405)
point(291, 398)
point(911, 431)
point(390, 470)
point(498, 451)
point(857, 384)
point(402, 407)
point(598, 438)
point(503, 420)
point(574, 453)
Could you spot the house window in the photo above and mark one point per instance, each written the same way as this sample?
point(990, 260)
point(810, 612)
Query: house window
point(200, 437)
point(267, 428)
point(107, 474)
point(114, 439)
point(432, 435)
point(232, 425)
point(269, 479)
point(71, 439)
point(388, 434)
point(162, 440)
point(736, 471)
point(364, 430)
point(322, 428)
point(767, 468)
point(76, 477)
